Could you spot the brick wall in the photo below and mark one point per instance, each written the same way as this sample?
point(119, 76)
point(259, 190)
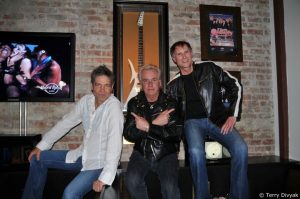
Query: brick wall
point(92, 21)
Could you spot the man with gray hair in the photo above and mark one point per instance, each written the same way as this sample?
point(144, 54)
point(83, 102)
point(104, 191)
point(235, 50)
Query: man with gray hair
point(151, 125)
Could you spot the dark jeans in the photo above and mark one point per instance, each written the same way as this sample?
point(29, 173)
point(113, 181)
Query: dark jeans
point(195, 132)
point(166, 169)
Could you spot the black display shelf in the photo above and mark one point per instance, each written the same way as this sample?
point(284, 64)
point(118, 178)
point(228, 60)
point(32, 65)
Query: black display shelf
point(14, 150)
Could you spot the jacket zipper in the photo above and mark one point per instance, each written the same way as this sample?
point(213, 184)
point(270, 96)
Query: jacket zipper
point(201, 99)
point(145, 149)
point(153, 151)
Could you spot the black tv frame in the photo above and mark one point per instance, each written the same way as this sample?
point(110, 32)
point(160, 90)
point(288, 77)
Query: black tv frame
point(60, 46)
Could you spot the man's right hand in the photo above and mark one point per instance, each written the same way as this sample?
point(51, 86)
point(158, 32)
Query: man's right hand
point(36, 151)
point(141, 123)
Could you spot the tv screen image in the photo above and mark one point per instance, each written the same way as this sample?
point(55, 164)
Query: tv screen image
point(37, 67)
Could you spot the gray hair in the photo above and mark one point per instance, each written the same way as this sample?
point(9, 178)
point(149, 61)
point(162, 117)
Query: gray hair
point(149, 67)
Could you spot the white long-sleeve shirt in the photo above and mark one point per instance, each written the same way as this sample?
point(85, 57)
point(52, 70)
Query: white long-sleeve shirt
point(102, 141)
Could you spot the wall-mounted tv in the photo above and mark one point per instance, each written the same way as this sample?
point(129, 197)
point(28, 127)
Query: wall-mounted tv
point(37, 66)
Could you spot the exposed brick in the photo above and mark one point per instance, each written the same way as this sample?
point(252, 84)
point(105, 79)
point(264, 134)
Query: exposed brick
point(66, 24)
point(92, 22)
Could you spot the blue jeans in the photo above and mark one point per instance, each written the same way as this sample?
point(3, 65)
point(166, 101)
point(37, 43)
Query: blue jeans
point(36, 179)
point(195, 132)
point(167, 172)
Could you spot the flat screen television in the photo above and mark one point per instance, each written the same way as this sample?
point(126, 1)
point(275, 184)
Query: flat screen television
point(37, 66)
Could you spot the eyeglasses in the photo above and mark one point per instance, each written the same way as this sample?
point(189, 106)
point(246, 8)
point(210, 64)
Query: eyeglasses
point(147, 81)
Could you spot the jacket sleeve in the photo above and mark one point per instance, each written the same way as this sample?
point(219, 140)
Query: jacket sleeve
point(232, 94)
point(130, 132)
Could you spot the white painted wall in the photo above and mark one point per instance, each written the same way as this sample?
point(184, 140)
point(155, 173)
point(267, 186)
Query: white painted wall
point(292, 39)
point(274, 75)
point(292, 32)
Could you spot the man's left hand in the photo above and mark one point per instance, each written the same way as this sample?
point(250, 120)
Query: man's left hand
point(163, 117)
point(228, 125)
point(98, 185)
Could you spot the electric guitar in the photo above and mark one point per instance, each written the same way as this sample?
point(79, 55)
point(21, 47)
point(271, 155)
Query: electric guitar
point(134, 75)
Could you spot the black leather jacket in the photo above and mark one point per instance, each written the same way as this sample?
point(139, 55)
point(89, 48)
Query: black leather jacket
point(220, 92)
point(160, 140)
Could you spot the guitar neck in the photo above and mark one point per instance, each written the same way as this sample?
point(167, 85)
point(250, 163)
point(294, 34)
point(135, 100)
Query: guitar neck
point(141, 47)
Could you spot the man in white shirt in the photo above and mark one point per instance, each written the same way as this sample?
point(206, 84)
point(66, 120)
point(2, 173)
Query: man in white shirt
point(97, 157)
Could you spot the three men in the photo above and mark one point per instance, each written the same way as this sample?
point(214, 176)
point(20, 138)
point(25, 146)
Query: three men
point(151, 124)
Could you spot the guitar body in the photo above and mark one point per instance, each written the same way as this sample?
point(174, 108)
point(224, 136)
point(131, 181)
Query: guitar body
point(135, 86)
point(134, 74)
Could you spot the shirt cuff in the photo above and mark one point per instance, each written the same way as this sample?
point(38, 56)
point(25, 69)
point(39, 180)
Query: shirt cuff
point(42, 145)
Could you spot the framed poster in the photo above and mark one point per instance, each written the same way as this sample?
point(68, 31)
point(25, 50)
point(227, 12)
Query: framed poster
point(140, 36)
point(221, 35)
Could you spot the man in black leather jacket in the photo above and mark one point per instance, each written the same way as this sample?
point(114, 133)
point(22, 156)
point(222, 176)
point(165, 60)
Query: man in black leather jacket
point(209, 101)
point(151, 125)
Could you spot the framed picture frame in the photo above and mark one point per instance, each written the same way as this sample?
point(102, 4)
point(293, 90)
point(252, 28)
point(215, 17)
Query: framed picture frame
point(140, 36)
point(221, 34)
